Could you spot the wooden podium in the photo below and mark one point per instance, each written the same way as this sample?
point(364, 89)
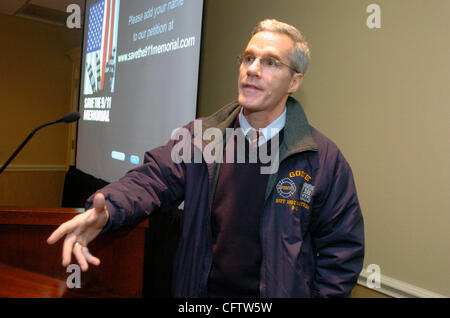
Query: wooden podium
point(31, 268)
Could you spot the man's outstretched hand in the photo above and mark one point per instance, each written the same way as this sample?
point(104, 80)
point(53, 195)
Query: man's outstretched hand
point(79, 232)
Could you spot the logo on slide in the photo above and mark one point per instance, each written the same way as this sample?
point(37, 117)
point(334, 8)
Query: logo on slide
point(101, 48)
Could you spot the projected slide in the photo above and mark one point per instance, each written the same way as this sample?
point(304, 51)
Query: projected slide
point(138, 81)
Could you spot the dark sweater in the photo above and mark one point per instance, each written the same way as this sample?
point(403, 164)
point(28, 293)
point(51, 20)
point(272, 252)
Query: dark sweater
point(235, 219)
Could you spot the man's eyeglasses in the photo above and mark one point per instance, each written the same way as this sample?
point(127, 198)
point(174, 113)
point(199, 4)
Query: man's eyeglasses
point(267, 62)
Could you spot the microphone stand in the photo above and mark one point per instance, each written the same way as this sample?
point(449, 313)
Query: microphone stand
point(27, 139)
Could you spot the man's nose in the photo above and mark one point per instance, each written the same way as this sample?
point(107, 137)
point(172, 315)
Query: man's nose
point(254, 68)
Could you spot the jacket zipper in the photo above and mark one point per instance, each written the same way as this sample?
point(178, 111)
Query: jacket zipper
point(208, 261)
point(263, 276)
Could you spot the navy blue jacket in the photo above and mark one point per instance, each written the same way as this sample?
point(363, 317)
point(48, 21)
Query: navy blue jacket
point(312, 231)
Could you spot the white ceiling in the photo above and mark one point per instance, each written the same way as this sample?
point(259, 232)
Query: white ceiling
point(60, 5)
point(50, 11)
point(10, 7)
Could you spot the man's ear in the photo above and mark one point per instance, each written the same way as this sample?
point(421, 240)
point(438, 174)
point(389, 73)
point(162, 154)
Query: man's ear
point(296, 82)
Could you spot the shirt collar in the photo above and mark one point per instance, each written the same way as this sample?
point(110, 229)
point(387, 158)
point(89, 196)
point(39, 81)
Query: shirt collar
point(268, 132)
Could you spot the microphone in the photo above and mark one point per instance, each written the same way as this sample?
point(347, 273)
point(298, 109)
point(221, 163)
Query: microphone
point(68, 118)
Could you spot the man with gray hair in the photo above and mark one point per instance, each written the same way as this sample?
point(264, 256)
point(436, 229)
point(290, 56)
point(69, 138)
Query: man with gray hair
point(297, 232)
point(300, 57)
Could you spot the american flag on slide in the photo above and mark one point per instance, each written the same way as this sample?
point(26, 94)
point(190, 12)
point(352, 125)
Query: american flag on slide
point(101, 47)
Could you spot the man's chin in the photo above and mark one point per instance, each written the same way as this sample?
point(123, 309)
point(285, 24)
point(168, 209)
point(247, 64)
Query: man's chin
point(251, 106)
point(250, 109)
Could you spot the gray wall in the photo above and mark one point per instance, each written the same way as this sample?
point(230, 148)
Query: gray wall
point(382, 95)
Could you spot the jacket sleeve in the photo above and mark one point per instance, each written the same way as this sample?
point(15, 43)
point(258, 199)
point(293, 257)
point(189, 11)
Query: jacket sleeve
point(158, 184)
point(338, 229)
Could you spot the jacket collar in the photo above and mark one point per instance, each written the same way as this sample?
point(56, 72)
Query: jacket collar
point(297, 133)
point(297, 138)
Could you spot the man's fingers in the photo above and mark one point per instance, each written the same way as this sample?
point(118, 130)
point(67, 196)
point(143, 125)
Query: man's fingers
point(58, 233)
point(89, 257)
point(99, 202)
point(84, 228)
point(100, 207)
point(62, 230)
point(69, 242)
point(79, 255)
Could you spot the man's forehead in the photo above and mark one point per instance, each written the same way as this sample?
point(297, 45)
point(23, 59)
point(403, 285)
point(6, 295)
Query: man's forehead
point(270, 43)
